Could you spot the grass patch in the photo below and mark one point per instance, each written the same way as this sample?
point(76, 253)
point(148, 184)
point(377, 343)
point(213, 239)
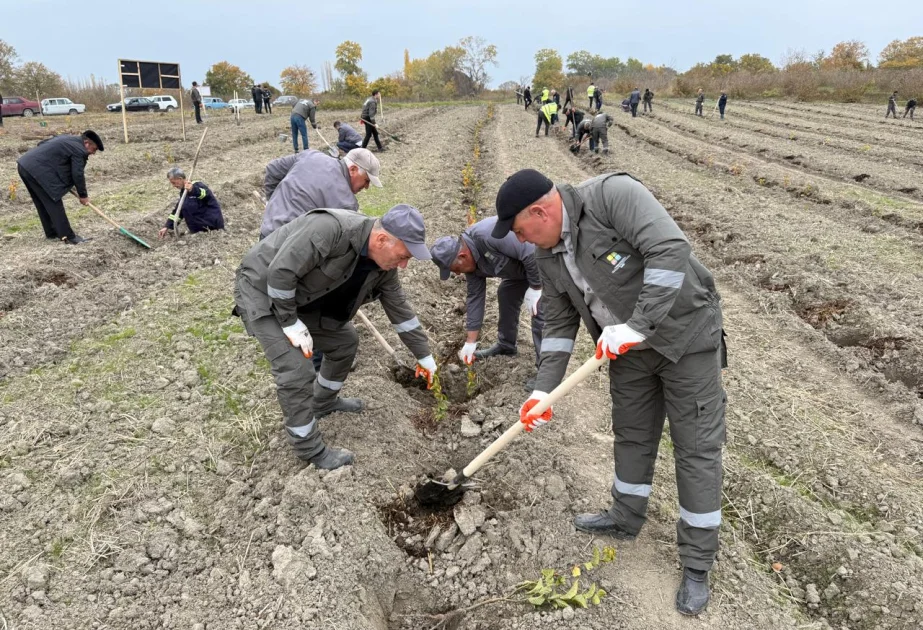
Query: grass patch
point(374, 202)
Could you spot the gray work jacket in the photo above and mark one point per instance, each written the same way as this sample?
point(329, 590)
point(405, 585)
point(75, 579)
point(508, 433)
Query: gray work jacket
point(306, 259)
point(495, 258)
point(299, 183)
point(307, 109)
point(369, 109)
point(636, 260)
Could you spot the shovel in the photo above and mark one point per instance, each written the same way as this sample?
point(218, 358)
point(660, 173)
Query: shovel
point(333, 151)
point(116, 225)
point(384, 343)
point(182, 199)
point(441, 494)
point(390, 135)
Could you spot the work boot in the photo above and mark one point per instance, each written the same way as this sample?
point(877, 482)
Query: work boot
point(331, 458)
point(495, 351)
point(529, 385)
point(349, 405)
point(692, 596)
point(75, 239)
point(601, 524)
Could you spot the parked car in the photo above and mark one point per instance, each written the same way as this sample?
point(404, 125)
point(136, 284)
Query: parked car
point(240, 103)
point(54, 106)
point(135, 104)
point(213, 102)
point(285, 100)
point(18, 106)
point(165, 103)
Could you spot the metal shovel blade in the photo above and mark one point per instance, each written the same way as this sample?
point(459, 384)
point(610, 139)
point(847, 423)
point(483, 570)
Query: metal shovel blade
point(436, 494)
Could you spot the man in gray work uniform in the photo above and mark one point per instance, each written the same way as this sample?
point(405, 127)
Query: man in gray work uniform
point(303, 110)
point(297, 291)
point(610, 255)
point(479, 256)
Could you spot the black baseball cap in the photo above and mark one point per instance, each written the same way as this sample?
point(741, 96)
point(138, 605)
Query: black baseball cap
point(518, 191)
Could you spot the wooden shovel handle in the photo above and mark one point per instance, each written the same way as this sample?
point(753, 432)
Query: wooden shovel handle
point(556, 394)
point(384, 343)
point(99, 212)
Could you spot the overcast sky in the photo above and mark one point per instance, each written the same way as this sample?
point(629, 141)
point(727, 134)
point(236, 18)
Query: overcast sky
point(263, 37)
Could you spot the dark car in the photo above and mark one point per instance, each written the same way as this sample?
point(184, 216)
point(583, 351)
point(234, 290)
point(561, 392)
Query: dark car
point(135, 104)
point(18, 106)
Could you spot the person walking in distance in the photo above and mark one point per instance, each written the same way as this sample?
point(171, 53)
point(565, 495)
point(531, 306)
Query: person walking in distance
point(196, 102)
point(633, 100)
point(648, 100)
point(699, 101)
point(722, 103)
point(610, 255)
point(909, 109)
point(591, 94)
point(267, 98)
point(49, 171)
point(892, 105)
point(303, 110)
point(527, 96)
point(256, 93)
point(367, 118)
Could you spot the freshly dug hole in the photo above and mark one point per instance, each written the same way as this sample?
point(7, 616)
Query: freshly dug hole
point(410, 524)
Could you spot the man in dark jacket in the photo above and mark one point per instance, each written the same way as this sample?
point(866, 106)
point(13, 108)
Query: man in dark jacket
point(479, 256)
point(611, 256)
point(573, 117)
point(648, 100)
point(196, 102)
point(367, 118)
point(256, 93)
point(527, 96)
point(569, 98)
point(909, 109)
point(302, 111)
point(347, 138)
point(633, 99)
point(267, 98)
point(699, 101)
point(201, 210)
point(723, 101)
point(599, 98)
point(298, 291)
point(892, 105)
point(49, 171)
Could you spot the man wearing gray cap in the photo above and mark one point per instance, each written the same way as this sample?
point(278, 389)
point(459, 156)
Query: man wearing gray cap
point(479, 256)
point(297, 291)
point(612, 256)
point(296, 184)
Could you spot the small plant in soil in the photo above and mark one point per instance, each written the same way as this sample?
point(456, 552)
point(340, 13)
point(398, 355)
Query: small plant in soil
point(441, 410)
point(472, 384)
point(554, 590)
point(11, 190)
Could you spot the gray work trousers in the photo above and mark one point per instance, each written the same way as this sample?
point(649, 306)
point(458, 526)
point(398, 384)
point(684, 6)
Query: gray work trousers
point(599, 134)
point(892, 110)
point(510, 296)
point(645, 386)
point(301, 391)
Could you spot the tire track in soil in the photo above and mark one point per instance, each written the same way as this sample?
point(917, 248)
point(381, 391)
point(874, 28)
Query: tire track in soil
point(806, 429)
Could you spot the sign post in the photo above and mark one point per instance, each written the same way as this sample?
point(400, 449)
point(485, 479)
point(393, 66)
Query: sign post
point(149, 74)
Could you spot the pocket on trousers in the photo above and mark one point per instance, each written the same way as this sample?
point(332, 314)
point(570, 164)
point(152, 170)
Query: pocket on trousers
point(277, 349)
point(710, 431)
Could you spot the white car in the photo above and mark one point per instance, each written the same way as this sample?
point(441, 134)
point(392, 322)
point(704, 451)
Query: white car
point(240, 103)
point(53, 106)
point(165, 103)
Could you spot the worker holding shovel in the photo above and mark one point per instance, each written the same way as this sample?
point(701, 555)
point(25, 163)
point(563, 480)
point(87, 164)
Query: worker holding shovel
point(367, 118)
point(298, 290)
point(200, 210)
point(51, 169)
point(610, 255)
point(479, 256)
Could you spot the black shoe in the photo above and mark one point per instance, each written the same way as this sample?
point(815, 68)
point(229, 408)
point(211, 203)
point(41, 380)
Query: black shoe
point(332, 458)
point(529, 385)
point(601, 524)
point(348, 405)
point(495, 351)
point(692, 596)
point(75, 239)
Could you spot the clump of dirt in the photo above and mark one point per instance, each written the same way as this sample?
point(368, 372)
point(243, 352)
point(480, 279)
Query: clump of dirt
point(819, 314)
point(410, 525)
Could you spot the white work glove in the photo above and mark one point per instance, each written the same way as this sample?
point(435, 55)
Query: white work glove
point(617, 340)
point(532, 298)
point(426, 367)
point(534, 421)
point(298, 334)
point(466, 354)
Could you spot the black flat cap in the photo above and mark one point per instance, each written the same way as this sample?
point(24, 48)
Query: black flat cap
point(518, 191)
point(92, 135)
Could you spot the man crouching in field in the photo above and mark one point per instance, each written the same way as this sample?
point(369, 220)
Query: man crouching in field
point(299, 288)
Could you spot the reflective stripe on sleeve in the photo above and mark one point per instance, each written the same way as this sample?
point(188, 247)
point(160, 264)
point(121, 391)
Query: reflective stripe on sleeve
point(280, 294)
point(664, 278)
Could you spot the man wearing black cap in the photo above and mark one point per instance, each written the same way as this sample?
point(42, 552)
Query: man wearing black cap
point(49, 171)
point(479, 256)
point(610, 255)
point(297, 291)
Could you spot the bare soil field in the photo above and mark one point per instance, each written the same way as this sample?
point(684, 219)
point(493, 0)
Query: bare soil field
point(145, 481)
